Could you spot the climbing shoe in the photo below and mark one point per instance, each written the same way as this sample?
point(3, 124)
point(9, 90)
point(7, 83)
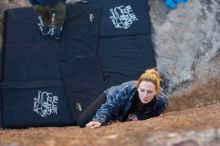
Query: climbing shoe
point(44, 28)
point(58, 32)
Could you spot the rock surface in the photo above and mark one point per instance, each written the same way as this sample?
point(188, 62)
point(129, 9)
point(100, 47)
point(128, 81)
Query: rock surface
point(187, 41)
point(188, 51)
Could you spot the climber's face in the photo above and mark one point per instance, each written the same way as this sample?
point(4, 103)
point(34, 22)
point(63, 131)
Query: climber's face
point(146, 91)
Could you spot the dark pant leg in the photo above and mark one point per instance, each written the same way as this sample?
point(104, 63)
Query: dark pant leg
point(60, 13)
point(91, 110)
point(44, 12)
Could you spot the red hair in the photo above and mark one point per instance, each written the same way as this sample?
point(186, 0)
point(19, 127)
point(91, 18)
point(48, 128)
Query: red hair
point(151, 75)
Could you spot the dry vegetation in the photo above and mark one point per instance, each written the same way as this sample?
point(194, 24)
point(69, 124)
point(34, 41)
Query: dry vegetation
point(198, 94)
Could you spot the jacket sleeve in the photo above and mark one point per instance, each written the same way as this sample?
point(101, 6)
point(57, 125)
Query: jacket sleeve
point(106, 111)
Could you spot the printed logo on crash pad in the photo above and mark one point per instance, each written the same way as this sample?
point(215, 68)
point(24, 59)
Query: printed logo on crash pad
point(122, 16)
point(45, 104)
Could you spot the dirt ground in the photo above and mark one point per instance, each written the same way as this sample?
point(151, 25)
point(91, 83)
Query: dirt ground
point(168, 129)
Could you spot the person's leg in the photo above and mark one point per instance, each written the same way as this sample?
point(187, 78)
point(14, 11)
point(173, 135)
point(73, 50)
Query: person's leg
point(44, 12)
point(45, 18)
point(91, 110)
point(59, 9)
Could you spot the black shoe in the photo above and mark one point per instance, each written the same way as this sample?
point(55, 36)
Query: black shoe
point(57, 32)
point(44, 30)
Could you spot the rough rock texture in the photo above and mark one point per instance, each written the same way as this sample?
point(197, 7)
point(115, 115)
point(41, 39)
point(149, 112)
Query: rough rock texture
point(188, 56)
point(191, 127)
point(187, 41)
point(188, 51)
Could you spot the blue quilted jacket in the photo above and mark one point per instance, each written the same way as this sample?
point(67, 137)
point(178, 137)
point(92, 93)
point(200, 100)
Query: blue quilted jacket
point(45, 2)
point(119, 100)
